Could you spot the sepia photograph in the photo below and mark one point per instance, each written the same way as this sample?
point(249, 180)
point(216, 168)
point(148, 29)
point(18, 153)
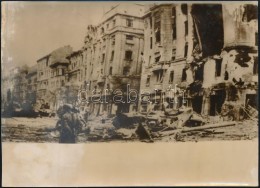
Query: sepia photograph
point(149, 72)
point(129, 72)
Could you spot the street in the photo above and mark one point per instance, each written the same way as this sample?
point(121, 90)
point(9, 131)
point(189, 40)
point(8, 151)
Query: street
point(41, 130)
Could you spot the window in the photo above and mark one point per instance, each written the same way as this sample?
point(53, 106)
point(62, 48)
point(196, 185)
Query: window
point(158, 31)
point(129, 23)
point(184, 9)
point(151, 42)
point(128, 55)
point(184, 75)
point(218, 67)
point(125, 71)
point(147, 81)
point(110, 70)
point(173, 54)
point(102, 30)
point(174, 31)
point(101, 71)
point(112, 56)
point(62, 83)
point(171, 77)
point(186, 50)
point(103, 58)
point(114, 22)
point(151, 22)
point(113, 39)
point(150, 58)
point(186, 27)
point(129, 37)
point(159, 76)
point(107, 26)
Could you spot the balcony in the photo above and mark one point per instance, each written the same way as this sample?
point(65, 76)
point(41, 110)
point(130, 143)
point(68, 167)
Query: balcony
point(158, 86)
point(158, 67)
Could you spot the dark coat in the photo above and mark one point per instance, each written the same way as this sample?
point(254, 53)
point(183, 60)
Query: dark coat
point(71, 125)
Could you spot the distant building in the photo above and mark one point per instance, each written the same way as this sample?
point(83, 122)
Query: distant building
point(51, 76)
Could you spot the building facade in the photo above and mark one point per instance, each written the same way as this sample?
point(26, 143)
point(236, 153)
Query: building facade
point(51, 77)
point(112, 58)
point(209, 51)
point(168, 45)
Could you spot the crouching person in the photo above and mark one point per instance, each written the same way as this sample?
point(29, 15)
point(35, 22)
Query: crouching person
point(69, 124)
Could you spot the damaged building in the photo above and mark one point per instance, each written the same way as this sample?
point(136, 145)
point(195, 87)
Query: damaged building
point(168, 45)
point(209, 50)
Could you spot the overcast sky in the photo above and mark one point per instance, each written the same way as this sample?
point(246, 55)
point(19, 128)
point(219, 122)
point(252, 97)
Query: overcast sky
point(34, 29)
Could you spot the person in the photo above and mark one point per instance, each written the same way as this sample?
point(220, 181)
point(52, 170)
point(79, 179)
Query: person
point(69, 124)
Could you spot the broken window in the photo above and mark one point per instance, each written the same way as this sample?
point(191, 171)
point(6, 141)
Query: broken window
point(171, 78)
point(218, 67)
point(128, 55)
point(129, 23)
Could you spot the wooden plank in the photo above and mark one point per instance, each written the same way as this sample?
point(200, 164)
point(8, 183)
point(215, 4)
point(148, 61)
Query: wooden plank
point(210, 126)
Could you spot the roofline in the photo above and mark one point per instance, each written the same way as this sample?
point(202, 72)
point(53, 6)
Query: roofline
point(74, 53)
point(140, 17)
point(43, 57)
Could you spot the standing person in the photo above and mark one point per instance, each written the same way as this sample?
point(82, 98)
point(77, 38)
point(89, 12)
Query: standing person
point(69, 124)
